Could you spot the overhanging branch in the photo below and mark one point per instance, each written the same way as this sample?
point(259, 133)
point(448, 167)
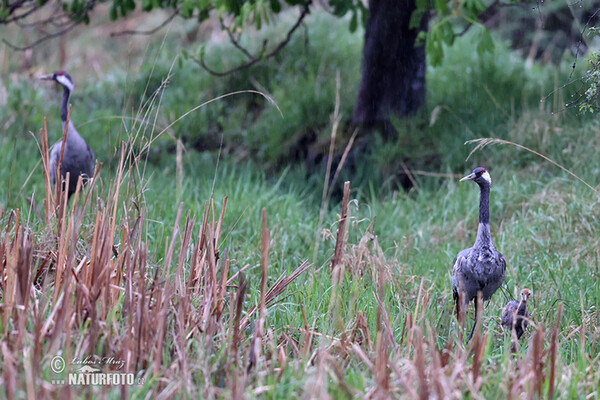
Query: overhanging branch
point(253, 59)
point(42, 39)
point(66, 22)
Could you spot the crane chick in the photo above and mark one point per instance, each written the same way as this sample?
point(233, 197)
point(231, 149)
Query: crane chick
point(515, 315)
point(78, 157)
point(479, 268)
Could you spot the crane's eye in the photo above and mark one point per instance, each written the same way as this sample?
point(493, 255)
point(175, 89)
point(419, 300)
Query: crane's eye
point(479, 171)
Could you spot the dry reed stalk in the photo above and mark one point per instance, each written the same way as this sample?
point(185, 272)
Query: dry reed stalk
point(407, 330)
point(419, 364)
point(211, 271)
point(9, 371)
point(220, 223)
point(179, 167)
point(537, 363)
point(48, 200)
point(23, 273)
point(341, 232)
point(276, 289)
point(539, 353)
point(4, 246)
point(583, 325)
point(553, 351)
point(418, 303)
point(10, 260)
point(164, 297)
point(360, 333)
point(461, 314)
point(446, 352)
point(382, 376)
point(335, 120)
point(131, 296)
point(140, 338)
point(236, 390)
point(115, 196)
point(218, 309)
point(381, 373)
point(308, 334)
point(256, 350)
point(180, 275)
point(437, 368)
point(63, 143)
point(199, 255)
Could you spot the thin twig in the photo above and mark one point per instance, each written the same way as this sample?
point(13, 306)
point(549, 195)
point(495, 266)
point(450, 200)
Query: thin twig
point(259, 57)
point(148, 32)
point(42, 39)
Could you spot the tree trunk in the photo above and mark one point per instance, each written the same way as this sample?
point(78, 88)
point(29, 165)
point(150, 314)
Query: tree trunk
point(393, 68)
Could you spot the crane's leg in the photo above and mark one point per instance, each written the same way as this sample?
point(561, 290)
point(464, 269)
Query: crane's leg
point(455, 296)
point(474, 323)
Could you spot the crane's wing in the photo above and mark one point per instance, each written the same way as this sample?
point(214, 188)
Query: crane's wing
point(460, 261)
point(459, 264)
point(502, 261)
point(507, 313)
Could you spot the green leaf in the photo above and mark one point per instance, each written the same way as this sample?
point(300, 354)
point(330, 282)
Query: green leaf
point(203, 15)
point(353, 22)
point(441, 7)
point(275, 6)
point(422, 4)
point(485, 42)
point(364, 13)
point(340, 7)
point(113, 12)
point(473, 7)
point(447, 33)
point(415, 18)
point(187, 8)
point(433, 47)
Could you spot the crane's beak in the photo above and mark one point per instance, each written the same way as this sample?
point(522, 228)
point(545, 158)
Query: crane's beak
point(49, 77)
point(468, 178)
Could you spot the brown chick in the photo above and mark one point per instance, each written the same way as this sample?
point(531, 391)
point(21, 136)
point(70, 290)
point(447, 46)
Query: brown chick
point(519, 310)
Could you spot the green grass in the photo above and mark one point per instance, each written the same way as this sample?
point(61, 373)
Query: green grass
point(543, 221)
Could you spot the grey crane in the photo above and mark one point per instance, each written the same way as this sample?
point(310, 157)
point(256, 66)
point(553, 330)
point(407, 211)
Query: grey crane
point(479, 268)
point(78, 157)
point(515, 314)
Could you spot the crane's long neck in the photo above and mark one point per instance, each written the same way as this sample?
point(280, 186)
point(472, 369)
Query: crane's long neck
point(483, 231)
point(64, 107)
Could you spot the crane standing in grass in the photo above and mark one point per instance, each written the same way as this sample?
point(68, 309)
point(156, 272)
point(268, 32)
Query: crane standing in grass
point(515, 315)
point(480, 268)
point(78, 157)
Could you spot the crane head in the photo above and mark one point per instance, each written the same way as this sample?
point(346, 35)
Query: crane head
point(60, 77)
point(479, 176)
point(525, 294)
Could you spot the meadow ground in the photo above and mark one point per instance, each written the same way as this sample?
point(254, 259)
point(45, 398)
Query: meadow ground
point(202, 259)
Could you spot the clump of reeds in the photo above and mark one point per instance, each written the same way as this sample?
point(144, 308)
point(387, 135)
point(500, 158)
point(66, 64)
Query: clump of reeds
point(87, 285)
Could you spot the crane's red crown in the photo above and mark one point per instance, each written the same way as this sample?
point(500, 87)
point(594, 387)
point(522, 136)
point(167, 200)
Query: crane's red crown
point(61, 72)
point(479, 170)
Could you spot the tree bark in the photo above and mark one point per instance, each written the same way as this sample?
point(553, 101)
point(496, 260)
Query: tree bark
point(393, 68)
